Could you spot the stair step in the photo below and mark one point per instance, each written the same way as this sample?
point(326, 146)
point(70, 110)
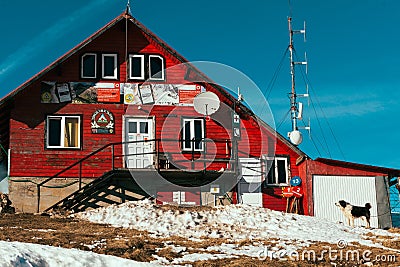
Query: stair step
point(105, 190)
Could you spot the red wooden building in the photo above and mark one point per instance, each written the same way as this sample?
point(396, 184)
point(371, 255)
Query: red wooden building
point(113, 120)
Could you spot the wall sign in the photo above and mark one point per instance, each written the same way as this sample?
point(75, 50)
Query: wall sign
point(287, 192)
point(295, 181)
point(80, 92)
point(297, 191)
point(108, 92)
point(236, 126)
point(102, 122)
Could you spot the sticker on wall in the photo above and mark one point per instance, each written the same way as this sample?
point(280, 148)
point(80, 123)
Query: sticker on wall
point(146, 94)
point(131, 93)
point(52, 92)
point(165, 94)
point(102, 122)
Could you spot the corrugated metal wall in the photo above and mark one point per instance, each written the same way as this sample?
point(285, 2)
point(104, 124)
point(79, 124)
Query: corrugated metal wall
point(358, 190)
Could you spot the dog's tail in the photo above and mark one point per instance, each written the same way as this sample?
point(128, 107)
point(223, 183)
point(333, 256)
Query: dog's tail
point(368, 206)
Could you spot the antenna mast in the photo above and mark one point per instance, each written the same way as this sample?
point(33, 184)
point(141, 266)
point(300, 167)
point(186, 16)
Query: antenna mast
point(296, 108)
point(128, 8)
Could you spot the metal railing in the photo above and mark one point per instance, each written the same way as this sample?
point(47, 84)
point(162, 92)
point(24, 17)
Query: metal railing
point(200, 156)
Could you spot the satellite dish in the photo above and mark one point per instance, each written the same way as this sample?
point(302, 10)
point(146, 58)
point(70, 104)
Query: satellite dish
point(206, 103)
point(296, 137)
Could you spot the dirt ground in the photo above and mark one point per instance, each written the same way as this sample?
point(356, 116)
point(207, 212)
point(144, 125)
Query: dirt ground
point(139, 246)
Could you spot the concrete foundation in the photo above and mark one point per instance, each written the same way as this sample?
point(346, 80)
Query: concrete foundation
point(23, 192)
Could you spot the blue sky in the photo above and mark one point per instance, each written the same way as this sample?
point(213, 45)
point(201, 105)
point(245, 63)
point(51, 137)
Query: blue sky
point(351, 49)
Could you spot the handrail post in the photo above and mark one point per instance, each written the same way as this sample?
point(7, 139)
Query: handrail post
point(38, 198)
point(193, 144)
point(157, 146)
point(112, 157)
point(80, 175)
point(204, 152)
point(236, 157)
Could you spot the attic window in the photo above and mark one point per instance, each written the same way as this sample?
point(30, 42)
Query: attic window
point(109, 66)
point(156, 67)
point(88, 66)
point(136, 67)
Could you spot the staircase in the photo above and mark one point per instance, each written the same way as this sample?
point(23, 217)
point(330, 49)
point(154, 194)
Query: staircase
point(114, 187)
point(119, 184)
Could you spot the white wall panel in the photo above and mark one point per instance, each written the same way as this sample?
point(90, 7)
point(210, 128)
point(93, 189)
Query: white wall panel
point(250, 184)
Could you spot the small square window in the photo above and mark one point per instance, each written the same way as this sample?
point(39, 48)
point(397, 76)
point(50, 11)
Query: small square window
point(89, 66)
point(63, 131)
point(156, 67)
point(276, 170)
point(109, 66)
point(136, 67)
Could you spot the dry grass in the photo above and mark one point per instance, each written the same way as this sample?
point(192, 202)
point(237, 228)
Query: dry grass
point(140, 246)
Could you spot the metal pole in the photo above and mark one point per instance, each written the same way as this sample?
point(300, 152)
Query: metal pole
point(293, 103)
point(38, 198)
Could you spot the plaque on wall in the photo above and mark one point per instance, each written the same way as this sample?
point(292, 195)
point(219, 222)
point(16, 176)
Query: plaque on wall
point(102, 122)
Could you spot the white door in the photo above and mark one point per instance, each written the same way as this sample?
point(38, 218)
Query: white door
point(139, 149)
point(356, 190)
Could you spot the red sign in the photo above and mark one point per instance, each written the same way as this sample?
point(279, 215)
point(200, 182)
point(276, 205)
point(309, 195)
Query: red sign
point(297, 191)
point(287, 192)
point(108, 95)
point(187, 96)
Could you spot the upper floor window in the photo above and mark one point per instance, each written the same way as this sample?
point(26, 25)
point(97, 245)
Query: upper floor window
point(156, 67)
point(136, 67)
point(193, 134)
point(109, 66)
point(63, 131)
point(89, 66)
point(142, 67)
point(278, 170)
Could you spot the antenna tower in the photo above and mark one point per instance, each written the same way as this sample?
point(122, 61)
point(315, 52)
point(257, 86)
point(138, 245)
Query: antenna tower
point(296, 108)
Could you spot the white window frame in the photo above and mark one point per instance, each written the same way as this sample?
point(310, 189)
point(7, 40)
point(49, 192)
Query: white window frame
point(115, 76)
point(62, 134)
point(275, 170)
point(142, 67)
point(162, 68)
point(192, 133)
point(95, 65)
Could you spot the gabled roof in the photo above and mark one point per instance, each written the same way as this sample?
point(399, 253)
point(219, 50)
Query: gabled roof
point(166, 47)
point(391, 172)
point(61, 59)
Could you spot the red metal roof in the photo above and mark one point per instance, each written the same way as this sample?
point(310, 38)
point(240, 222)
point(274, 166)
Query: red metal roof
point(391, 172)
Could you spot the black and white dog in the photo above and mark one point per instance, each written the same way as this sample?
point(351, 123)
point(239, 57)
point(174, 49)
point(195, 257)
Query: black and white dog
point(353, 212)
